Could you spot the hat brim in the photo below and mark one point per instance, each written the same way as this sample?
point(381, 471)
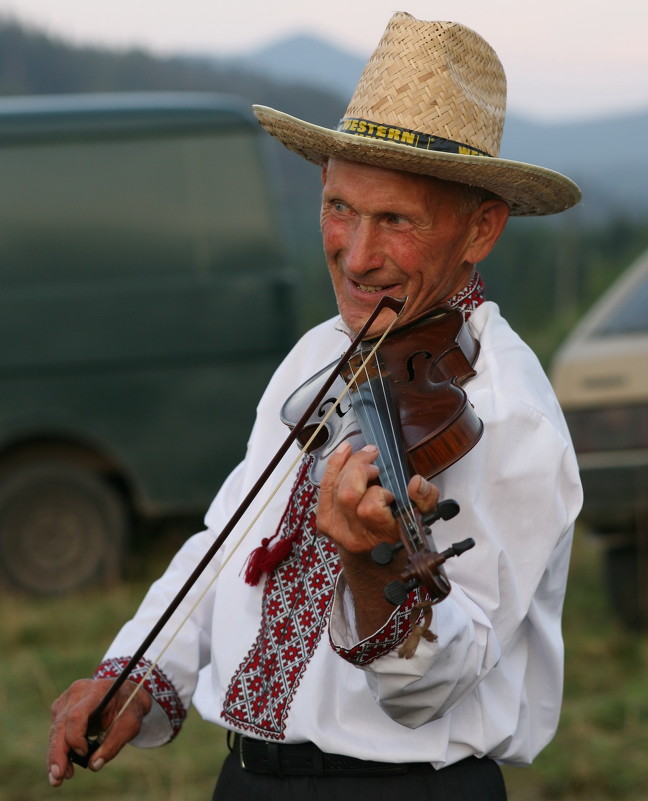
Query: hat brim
point(528, 189)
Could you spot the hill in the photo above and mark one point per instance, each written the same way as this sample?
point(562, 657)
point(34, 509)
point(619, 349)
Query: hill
point(317, 63)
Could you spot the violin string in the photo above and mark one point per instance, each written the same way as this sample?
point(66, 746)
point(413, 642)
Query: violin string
point(376, 428)
point(400, 465)
point(130, 698)
point(397, 466)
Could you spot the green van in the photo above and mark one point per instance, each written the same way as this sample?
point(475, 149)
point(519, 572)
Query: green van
point(145, 299)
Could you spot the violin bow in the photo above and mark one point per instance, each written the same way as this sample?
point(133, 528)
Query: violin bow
point(94, 733)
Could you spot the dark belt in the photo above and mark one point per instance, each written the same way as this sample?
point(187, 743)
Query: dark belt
point(305, 759)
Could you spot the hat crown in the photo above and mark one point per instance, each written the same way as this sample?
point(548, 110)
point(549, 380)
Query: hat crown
point(438, 78)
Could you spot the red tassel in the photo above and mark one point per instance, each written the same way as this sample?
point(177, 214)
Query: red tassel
point(264, 559)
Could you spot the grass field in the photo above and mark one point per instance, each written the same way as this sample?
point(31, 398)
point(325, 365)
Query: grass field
point(600, 752)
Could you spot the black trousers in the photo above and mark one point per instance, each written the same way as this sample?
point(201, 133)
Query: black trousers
point(471, 779)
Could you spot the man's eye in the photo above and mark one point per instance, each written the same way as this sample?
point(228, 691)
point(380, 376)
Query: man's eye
point(396, 219)
point(339, 206)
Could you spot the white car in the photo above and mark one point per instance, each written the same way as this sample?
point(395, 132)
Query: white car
point(601, 378)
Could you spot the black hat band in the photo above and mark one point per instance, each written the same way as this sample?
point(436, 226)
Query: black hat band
point(405, 136)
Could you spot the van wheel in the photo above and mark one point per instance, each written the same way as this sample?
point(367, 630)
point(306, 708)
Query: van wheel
point(625, 570)
point(61, 528)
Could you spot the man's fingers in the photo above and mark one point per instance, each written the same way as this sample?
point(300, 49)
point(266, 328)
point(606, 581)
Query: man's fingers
point(343, 460)
point(70, 714)
point(374, 507)
point(345, 481)
point(69, 722)
point(120, 733)
point(424, 494)
point(124, 726)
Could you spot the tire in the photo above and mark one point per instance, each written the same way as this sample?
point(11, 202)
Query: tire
point(61, 528)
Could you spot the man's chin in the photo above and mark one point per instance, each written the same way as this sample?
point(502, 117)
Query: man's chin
point(355, 322)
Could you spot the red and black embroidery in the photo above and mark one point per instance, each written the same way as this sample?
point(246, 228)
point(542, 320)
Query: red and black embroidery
point(156, 684)
point(391, 636)
point(295, 611)
point(295, 607)
point(470, 297)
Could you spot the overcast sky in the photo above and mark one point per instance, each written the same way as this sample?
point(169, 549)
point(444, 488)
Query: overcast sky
point(564, 59)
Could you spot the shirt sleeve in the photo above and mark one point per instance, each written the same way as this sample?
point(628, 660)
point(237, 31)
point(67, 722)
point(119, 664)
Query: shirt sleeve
point(167, 713)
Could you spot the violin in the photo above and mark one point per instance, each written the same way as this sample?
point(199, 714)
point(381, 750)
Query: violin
point(405, 397)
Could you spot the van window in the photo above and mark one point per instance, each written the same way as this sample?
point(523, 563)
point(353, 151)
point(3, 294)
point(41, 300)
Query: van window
point(186, 204)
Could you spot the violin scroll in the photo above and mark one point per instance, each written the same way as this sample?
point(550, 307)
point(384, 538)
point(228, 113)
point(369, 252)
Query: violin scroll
point(424, 568)
point(423, 565)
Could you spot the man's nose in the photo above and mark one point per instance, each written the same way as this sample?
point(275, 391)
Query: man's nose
point(362, 251)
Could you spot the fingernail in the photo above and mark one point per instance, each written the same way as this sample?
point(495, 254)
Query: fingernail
point(370, 448)
point(54, 771)
point(97, 764)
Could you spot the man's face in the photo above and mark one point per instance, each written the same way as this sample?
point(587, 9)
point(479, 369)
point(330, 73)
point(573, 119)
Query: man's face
point(392, 233)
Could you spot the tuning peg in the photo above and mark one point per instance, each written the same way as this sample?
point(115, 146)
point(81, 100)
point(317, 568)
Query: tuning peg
point(396, 592)
point(457, 548)
point(384, 552)
point(445, 510)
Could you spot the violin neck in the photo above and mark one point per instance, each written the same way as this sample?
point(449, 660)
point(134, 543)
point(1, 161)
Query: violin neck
point(379, 423)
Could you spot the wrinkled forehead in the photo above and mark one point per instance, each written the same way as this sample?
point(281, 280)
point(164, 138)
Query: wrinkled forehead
point(387, 184)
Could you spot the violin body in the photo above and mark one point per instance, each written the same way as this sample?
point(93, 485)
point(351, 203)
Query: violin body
point(342, 426)
point(424, 365)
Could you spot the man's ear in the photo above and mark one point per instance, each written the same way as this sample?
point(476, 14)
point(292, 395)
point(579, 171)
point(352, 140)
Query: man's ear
point(488, 222)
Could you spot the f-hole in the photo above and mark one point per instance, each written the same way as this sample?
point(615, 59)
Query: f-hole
point(338, 409)
point(411, 370)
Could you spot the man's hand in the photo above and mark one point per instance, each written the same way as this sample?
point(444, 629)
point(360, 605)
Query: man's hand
point(70, 713)
point(354, 511)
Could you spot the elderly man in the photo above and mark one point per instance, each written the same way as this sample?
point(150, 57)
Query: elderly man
point(295, 649)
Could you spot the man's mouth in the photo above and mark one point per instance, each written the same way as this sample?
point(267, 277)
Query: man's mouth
point(369, 288)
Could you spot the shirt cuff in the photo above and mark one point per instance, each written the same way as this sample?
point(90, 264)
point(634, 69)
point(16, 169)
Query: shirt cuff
point(158, 686)
point(343, 636)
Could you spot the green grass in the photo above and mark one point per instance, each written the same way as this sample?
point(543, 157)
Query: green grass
point(600, 751)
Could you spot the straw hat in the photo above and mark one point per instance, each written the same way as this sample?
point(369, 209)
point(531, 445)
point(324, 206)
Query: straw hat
point(431, 100)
